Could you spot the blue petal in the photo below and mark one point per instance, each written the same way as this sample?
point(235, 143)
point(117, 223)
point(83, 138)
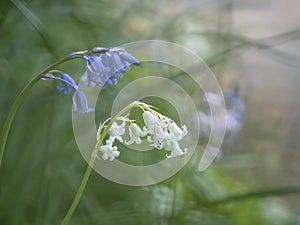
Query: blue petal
point(94, 65)
point(104, 70)
point(66, 85)
point(129, 58)
point(80, 103)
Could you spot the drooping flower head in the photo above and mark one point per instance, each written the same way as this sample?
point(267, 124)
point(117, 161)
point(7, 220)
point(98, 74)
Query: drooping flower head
point(164, 133)
point(161, 131)
point(105, 69)
point(156, 128)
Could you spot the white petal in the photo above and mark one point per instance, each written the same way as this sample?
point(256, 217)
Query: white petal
point(176, 132)
point(116, 131)
point(176, 150)
point(149, 118)
point(135, 132)
point(109, 152)
point(105, 156)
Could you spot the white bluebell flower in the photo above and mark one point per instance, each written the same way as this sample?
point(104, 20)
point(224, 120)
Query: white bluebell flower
point(174, 136)
point(80, 103)
point(109, 152)
point(66, 84)
point(135, 134)
point(164, 133)
point(176, 132)
point(116, 131)
point(156, 129)
point(161, 131)
point(175, 149)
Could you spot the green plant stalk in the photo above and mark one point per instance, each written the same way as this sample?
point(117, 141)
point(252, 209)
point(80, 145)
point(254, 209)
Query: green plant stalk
point(80, 190)
point(91, 163)
point(258, 194)
point(18, 101)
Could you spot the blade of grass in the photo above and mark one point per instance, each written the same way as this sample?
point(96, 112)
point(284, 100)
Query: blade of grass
point(34, 20)
point(263, 193)
point(260, 44)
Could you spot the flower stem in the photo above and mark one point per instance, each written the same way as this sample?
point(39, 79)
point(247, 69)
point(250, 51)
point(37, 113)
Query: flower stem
point(80, 190)
point(92, 162)
point(18, 101)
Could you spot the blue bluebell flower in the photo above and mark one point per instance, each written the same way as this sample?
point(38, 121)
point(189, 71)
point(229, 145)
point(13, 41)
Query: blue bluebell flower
point(105, 69)
point(66, 84)
point(234, 101)
point(94, 71)
point(80, 103)
point(127, 58)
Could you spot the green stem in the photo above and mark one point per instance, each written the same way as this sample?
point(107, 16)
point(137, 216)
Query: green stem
point(16, 105)
point(91, 163)
point(258, 194)
point(79, 191)
point(18, 101)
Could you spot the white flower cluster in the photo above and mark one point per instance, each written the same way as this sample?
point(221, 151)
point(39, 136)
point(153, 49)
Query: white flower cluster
point(160, 131)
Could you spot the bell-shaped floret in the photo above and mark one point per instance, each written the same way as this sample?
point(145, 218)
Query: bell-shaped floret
point(135, 134)
point(80, 103)
point(66, 84)
point(109, 152)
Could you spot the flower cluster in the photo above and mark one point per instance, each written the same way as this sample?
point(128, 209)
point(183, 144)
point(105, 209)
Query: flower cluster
point(101, 71)
point(160, 131)
point(231, 121)
point(66, 86)
point(104, 70)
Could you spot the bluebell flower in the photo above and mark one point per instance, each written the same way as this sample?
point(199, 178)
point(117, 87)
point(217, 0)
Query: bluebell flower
point(66, 84)
point(105, 69)
point(234, 101)
point(127, 58)
point(135, 134)
point(109, 151)
point(164, 133)
point(95, 72)
point(80, 103)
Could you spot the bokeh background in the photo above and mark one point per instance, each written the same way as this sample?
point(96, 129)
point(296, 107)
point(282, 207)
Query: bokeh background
point(251, 46)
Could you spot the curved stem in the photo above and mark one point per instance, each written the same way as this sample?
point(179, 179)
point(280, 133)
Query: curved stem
point(18, 101)
point(79, 191)
point(92, 162)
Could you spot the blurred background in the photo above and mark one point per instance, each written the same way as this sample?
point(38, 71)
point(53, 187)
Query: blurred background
point(253, 48)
